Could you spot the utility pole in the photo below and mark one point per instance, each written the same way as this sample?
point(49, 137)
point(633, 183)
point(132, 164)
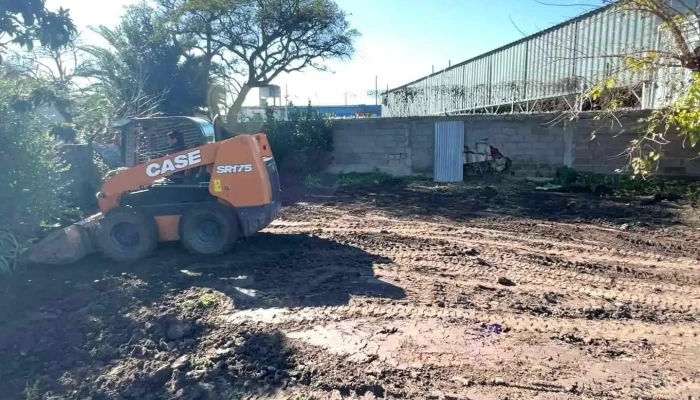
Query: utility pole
point(387, 94)
point(286, 104)
point(348, 95)
point(376, 90)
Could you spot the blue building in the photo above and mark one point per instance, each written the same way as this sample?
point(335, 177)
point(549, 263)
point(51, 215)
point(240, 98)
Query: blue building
point(354, 111)
point(339, 111)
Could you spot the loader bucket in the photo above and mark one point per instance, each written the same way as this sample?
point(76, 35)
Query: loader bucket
point(67, 245)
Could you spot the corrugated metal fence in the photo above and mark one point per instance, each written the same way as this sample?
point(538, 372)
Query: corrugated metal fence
point(449, 149)
point(559, 61)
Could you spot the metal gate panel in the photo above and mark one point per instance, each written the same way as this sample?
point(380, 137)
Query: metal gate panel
point(449, 149)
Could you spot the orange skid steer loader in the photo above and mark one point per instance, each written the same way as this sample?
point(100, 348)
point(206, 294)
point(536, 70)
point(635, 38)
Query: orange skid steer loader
point(225, 190)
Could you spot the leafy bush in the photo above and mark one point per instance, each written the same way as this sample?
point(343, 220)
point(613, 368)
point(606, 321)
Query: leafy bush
point(30, 167)
point(301, 145)
point(9, 251)
point(627, 185)
point(566, 176)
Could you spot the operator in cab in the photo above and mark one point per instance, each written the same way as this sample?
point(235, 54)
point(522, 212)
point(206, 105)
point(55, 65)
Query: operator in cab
point(176, 142)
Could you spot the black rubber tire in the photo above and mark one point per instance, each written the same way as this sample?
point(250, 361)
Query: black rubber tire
point(114, 247)
point(209, 229)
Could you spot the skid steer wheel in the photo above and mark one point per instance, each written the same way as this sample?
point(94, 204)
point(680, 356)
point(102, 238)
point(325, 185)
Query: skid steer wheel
point(125, 234)
point(208, 229)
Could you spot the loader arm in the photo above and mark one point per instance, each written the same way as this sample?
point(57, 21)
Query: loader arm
point(237, 167)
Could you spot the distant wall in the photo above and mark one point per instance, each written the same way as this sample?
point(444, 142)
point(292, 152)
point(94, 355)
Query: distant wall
point(404, 146)
point(340, 111)
point(396, 146)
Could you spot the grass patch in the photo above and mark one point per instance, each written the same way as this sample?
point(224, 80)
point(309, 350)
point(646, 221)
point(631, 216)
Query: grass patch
point(627, 185)
point(207, 300)
point(356, 180)
point(202, 363)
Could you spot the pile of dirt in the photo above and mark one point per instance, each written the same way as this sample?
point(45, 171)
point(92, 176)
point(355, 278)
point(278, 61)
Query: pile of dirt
point(114, 339)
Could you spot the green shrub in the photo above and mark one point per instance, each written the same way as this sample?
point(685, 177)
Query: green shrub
point(9, 251)
point(627, 184)
point(353, 180)
point(301, 145)
point(566, 176)
point(30, 168)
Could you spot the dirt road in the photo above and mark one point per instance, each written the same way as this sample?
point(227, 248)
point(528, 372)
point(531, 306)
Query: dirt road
point(480, 292)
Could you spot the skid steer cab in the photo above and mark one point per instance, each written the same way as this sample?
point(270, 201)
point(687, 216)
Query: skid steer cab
point(207, 194)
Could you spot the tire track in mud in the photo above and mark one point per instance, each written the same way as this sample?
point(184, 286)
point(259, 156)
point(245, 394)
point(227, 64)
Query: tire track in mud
point(561, 281)
point(475, 236)
point(681, 283)
point(614, 287)
point(423, 255)
point(609, 281)
point(620, 296)
point(532, 299)
point(669, 334)
point(614, 275)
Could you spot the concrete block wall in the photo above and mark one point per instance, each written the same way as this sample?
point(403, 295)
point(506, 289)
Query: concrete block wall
point(538, 147)
point(605, 152)
point(422, 145)
point(598, 148)
point(532, 145)
point(369, 145)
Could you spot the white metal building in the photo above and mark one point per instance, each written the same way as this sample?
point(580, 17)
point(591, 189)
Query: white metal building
point(542, 72)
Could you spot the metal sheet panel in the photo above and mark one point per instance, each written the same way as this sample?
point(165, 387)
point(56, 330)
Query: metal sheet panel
point(507, 75)
point(449, 148)
point(672, 81)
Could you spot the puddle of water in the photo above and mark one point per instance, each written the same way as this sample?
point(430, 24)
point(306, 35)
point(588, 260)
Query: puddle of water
point(247, 292)
point(396, 341)
point(265, 315)
point(400, 342)
point(284, 223)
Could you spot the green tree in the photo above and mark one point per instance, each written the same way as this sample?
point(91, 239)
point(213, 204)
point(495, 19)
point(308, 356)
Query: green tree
point(192, 24)
point(302, 145)
point(31, 168)
point(142, 69)
point(26, 22)
point(257, 40)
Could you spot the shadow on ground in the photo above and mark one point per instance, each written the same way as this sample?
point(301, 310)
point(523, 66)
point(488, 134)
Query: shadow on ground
point(489, 197)
point(291, 271)
point(103, 330)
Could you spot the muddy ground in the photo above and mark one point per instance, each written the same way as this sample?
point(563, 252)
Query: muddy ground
point(479, 291)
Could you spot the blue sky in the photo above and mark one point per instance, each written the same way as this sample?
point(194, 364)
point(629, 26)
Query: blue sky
point(401, 39)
